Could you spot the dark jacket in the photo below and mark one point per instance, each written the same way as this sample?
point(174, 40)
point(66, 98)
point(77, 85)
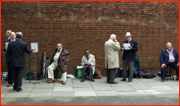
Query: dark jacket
point(62, 60)
point(164, 57)
point(131, 54)
point(7, 56)
point(16, 50)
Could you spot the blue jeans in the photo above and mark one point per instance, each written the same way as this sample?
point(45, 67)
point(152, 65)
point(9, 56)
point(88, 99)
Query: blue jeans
point(87, 68)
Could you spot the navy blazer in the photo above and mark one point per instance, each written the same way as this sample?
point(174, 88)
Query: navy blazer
point(16, 50)
point(131, 54)
point(164, 57)
point(7, 56)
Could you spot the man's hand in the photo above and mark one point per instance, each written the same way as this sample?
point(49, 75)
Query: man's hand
point(6, 47)
point(178, 64)
point(122, 49)
point(130, 47)
point(115, 40)
point(163, 65)
point(33, 49)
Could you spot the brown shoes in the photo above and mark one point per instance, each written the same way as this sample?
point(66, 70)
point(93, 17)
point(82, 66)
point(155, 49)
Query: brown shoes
point(9, 85)
point(64, 82)
point(51, 81)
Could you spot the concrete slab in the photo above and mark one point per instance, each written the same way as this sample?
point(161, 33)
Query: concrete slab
point(129, 93)
point(123, 88)
point(149, 92)
point(84, 92)
point(63, 89)
point(106, 93)
point(162, 87)
point(63, 93)
point(42, 90)
point(16, 95)
point(40, 95)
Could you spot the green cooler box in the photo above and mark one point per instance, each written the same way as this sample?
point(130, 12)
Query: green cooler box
point(79, 71)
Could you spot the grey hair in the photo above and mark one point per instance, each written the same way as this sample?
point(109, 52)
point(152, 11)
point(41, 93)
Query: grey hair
point(169, 43)
point(9, 31)
point(19, 35)
point(13, 33)
point(113, 36)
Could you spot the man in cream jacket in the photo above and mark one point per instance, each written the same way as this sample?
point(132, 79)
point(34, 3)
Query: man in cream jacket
point(88, 63)
point(111, 58)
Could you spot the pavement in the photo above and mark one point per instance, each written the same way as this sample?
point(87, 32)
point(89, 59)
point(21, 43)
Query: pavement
point(139, 91)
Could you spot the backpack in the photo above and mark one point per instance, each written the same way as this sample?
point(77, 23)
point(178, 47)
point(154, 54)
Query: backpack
point(147, 74)
point(33, 76)
point(97, 74)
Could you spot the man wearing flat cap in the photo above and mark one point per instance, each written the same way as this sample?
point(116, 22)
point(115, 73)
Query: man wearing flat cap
point(129, 56)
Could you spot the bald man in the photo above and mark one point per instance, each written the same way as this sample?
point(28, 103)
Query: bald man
point(59, 60)
point(12, 36)
point(169, 58)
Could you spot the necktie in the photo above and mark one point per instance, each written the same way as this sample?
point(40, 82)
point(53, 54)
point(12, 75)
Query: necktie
point(87, 57)
point(128, 41)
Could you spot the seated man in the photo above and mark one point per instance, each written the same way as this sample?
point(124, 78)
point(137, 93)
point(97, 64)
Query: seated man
point(88, 63)
point(60, 59)
point(169, 58)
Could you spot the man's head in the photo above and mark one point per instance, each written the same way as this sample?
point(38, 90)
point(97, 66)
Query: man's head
point(113, 37)
point(8, 33)
point(128, 36)
point(59, 46)
point(87, 52)
point(169, 45)
point(19, 35)
point(13, 35)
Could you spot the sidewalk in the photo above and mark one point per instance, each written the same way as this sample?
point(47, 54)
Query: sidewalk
point(74, 88)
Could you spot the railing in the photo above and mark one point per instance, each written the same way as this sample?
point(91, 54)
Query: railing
point(3, 63)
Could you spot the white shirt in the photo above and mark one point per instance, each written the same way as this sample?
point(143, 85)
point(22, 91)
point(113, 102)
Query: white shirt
point(13, 40)
point(56, 57)
point(171, 56)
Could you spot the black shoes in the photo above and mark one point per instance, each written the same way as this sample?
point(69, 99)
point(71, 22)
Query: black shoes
point(129, 80)
point(82, 80)
point(113, 83)
point(92, 79)
point(123, 79)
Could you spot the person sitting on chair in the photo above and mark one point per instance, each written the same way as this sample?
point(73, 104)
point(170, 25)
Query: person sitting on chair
point(169, 58)
point(88, 63)
point(60, 60)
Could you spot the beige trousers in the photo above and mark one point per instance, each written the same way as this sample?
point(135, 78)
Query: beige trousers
point(51, 69)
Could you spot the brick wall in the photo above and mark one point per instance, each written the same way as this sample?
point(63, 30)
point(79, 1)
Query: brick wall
point(87, 25)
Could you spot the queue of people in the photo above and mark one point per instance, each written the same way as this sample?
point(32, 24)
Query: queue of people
point(15, 49)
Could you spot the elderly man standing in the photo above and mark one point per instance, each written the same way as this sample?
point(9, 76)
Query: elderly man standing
point(12, 38)
point(129, 56)
point(59, 60)
point(169, 58)
point(111, 58)
point(8, 34)
point(88, 63)
point(16, 50)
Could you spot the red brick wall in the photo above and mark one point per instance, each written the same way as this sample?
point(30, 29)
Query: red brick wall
point(87, 25)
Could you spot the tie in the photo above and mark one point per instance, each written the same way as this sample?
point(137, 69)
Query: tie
point(87, 57)
point(128, 41)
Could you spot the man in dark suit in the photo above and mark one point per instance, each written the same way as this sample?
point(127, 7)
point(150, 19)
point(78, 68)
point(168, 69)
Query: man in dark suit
point(129, 57)
point(169, 58)
point(12, 38)
point(16, 50)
